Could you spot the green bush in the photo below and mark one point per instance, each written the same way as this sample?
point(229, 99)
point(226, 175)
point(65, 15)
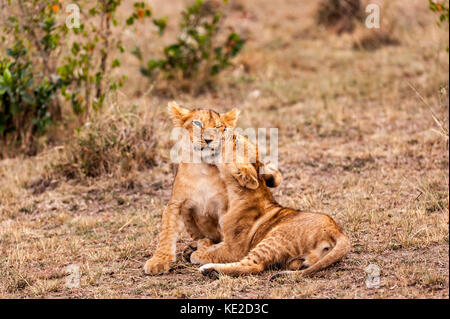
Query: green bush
point(197, 53)
point(86, 69)
point(442, 10)
point(25, 97)
point(49, 61)
point(49, 65)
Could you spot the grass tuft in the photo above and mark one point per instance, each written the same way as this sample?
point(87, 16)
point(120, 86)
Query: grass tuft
point(115, 142)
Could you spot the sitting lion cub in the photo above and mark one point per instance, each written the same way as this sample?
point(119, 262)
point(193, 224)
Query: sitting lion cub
point(199, 198)
point(258, 232)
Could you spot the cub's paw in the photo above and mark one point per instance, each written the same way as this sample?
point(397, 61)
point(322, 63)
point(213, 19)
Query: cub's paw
point(187, 252)
point(197, 258)
point(156, 266)
point(204, 243)
point(247, 177)
point(208, 270)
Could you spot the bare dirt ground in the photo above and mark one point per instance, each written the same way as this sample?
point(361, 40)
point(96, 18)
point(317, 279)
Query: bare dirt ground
point(363, 137)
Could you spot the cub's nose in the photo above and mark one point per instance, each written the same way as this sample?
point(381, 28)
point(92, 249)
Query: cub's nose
point(207, 141)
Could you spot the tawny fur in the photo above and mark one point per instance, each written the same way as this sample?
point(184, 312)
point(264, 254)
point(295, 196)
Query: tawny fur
point(199, 198)
point(258, 232)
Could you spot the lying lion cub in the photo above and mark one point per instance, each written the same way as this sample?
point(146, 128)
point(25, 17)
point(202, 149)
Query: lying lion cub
point(258, 232)
point(199, 198)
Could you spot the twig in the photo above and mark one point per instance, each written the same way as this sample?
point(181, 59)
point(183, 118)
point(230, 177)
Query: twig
point(105, 37)
point(439, 124)
point(127, 223)
point(35, 39)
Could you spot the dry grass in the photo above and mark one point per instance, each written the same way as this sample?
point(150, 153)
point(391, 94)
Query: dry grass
point(363, 136)
point(115, 142)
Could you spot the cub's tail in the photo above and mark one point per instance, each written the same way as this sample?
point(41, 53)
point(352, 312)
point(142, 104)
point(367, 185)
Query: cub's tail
point(338, 252)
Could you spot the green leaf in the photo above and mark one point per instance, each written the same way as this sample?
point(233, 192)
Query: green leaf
point(115, 63)
point(161, 24)
point(137, 52)
point(7, 76)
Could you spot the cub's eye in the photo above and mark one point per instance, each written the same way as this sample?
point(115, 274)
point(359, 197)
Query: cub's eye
point(197, 123)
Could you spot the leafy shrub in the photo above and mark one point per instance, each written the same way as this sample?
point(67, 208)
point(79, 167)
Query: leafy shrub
point(339, 15)
point(51, 65)
point(49, 60)
point(86, 70)
point(25, 97)
point(442, 9)
point(196, 54)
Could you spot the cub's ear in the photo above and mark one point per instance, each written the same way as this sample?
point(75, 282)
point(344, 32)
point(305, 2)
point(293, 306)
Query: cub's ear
point(230, 118)
point(177, 113)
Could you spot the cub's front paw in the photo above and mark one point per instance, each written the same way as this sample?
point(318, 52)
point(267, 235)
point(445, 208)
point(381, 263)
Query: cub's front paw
point(188, 250)
point(208, 270)
point(247, 177)
point(197, 258)
point(155, 266)
point(204, 243)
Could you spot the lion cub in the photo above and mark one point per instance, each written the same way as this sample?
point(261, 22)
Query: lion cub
point(258, 232)
point(199, 197)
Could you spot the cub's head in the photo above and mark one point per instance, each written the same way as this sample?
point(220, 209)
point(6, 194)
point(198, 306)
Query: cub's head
point(205, 126)
point(206, 130)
